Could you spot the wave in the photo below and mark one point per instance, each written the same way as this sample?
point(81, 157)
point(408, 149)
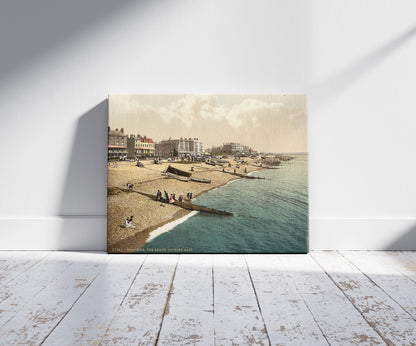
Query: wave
point(270, 216)
point(167, 227)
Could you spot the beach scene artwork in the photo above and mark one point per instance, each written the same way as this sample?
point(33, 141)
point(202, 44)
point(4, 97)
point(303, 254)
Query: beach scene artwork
point(207, 174)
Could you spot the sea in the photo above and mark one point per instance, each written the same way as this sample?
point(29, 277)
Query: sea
point(270, 216)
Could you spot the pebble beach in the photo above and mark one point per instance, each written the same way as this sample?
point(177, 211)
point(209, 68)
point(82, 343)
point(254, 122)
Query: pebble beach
point(149, 215)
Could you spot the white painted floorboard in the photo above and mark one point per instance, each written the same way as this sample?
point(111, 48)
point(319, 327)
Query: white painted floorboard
point(287, 317)
point(397, 286)
point(14, 263)
point(341, 323)
point(385, 315)
point(15, 294)
point(189, 315)
point(237, 316)
point(89, 319)
point(140, 315)
point(43, 312)
point(336, 298)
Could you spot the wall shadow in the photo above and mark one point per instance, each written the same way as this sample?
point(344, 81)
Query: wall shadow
point(31, 29)
point(325, 91)
point(83, 205)
point(407, 242)
point(85, 187)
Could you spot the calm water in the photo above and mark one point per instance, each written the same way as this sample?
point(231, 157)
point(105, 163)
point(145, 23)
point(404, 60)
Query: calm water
point(271, 216)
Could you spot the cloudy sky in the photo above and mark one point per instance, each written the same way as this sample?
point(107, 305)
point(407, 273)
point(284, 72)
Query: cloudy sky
point(267, 123)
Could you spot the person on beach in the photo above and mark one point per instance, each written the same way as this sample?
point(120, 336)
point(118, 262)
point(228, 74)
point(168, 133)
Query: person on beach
point(115, 164)
point(187, 195)
point(234, 170)
point(190, 195)
point(158, 195)
point(171, 200)
point(129, 222)
point(245, 170)
point(166, 197)
point(174, 197)
point(180, 198)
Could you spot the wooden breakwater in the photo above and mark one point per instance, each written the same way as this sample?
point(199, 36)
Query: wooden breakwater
point(186, 179)
point(184, 204)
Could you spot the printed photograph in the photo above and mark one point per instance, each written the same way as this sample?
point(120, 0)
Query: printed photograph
point(207, 174)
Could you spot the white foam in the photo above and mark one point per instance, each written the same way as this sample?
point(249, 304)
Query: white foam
point(166, 228)
point(253, 172)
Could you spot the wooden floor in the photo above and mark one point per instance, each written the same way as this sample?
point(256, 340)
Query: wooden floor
point(337, 298)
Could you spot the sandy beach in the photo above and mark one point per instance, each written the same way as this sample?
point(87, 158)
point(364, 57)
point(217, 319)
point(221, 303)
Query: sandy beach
point(148, 214)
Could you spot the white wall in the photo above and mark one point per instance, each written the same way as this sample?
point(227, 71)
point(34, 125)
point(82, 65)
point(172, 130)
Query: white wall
point(355, 59)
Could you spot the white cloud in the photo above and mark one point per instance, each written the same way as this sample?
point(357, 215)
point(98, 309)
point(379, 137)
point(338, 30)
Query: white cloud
point(268, 123)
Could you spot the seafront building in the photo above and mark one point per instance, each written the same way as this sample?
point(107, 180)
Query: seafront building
point(182, 147)
point(247, 149)
point(140, 146)
point(216, 150)
point(232, 148)
point(236, 148)
point(117, 144)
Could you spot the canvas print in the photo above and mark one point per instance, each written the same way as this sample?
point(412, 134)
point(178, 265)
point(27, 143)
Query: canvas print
point(207, 174)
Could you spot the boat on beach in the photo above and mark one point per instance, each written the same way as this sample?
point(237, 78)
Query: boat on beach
point(177, 171)
point(201, 180)
point(185, 162)
point(178, 177)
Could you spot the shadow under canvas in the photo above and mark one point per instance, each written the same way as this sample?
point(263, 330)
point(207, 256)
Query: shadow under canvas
point(83, 203)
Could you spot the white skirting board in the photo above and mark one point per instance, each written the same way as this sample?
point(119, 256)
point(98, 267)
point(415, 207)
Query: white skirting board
point(90, 233)
point(362, 234)
point(54, 233)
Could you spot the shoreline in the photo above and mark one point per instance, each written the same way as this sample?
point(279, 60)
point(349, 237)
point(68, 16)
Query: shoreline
point(169, 226)
point(130, 240)
point(141, 238)
point(133, 243)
